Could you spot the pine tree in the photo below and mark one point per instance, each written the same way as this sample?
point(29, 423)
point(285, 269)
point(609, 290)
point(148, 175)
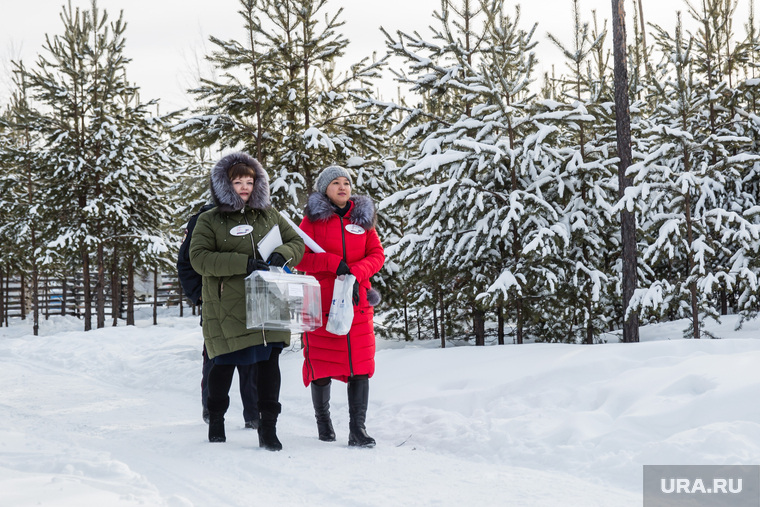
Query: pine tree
point(103, 153)
point(582, 307)
point(23, 224)
point(689, 181)
point(31, 229)
point(480, 168)
point(281, 98)
point(743, 244)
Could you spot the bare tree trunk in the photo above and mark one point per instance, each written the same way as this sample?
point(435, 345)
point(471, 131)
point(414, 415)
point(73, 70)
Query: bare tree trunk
point(519, 310)
point(500, 322)
point(131, 291)
point(623, 127)
point(436, 334)
point(86, 290)
point(444, 314)
point(115, 287)
point(479, 326)
point(64, 291)
point(181, 297)
point(3, 315)
point(406, 320)
point(22, 297)
point(46, 296)
point(100, 292)
point(7, 289)
point(723, 300)
point(155, 296)
point(644, 39)
point(250, 18)
point(308, 169)
point(35, 299)
point(693, 284)
point(33, 238)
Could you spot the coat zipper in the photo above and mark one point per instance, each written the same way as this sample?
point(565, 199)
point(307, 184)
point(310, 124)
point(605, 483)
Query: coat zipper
point(307, 354)
point(348, 335)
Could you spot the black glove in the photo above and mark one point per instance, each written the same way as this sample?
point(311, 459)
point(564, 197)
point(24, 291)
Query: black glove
point(342, 268)
point(256, 264)
point(355, 296)
point(276, 260)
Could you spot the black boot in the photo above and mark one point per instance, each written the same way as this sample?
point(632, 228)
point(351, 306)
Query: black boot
point(268, 426)
point(358, 398)
point(216, 410)
point(320, 397)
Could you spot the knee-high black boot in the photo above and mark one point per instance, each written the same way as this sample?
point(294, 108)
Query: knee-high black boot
point(320, 397)
point(217, 407)
point(358, 399)
point(268, 426)
point(219, 380)
point(268, 383)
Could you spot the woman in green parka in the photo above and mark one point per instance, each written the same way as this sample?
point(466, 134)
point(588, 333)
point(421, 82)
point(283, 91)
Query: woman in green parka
point(224, 250)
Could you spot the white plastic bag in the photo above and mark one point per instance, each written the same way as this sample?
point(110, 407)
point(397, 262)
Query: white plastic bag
point(341, 308)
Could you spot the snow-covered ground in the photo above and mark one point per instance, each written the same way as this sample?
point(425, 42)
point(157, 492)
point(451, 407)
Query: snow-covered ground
point(113, 417)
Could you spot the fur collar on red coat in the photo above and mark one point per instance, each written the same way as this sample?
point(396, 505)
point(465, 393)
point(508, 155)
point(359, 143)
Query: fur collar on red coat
point(320, 208)
point(224, 194)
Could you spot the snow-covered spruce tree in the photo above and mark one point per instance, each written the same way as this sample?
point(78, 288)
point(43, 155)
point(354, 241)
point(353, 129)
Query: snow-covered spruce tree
point(140, 201)
point(101, 166)
point(280, 97)
point(582, 307)
point(25, 224)
point(239, 107)
point(479, 168)
point(685, 183)
point(719, 57)
point(420, 252)
point(745, 200)
point(9, 189)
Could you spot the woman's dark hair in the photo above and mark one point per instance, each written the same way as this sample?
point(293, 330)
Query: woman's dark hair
point(240, 170)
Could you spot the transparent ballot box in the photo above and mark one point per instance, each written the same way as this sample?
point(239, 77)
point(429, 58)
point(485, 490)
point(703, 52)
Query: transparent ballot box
point(276, 300)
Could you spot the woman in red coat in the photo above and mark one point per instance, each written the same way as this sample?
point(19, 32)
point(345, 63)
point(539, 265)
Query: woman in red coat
point(344, 226)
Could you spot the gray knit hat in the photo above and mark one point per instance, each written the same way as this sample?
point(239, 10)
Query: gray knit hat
point(328, 174)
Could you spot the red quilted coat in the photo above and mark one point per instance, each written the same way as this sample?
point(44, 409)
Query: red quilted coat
point(353, 238)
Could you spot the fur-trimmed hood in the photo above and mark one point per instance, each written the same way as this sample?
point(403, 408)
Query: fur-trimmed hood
point(224, 194)
point(320, 208)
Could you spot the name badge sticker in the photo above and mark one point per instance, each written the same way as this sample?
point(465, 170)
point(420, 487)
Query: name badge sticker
point(355, 229)
point(241, 230)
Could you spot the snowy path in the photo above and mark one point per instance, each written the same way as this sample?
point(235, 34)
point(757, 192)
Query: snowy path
point(112, 417)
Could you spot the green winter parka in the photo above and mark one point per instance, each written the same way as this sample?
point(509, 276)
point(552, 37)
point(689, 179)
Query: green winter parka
point(221, 257)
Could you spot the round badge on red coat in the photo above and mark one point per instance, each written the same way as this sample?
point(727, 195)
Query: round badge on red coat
point(355, 229)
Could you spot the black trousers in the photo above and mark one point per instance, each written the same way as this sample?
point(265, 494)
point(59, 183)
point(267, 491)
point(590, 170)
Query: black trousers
point(248, 391)
point(267, 381)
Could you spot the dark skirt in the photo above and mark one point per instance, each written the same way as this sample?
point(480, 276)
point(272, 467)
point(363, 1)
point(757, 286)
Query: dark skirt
point(248, 355)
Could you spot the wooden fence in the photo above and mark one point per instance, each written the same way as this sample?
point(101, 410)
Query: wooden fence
point(65, 296)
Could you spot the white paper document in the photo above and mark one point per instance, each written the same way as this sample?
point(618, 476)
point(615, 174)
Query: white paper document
point(306, 239)
point(268, 243)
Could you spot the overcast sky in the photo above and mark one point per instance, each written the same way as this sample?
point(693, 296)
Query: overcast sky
point(166, 38)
